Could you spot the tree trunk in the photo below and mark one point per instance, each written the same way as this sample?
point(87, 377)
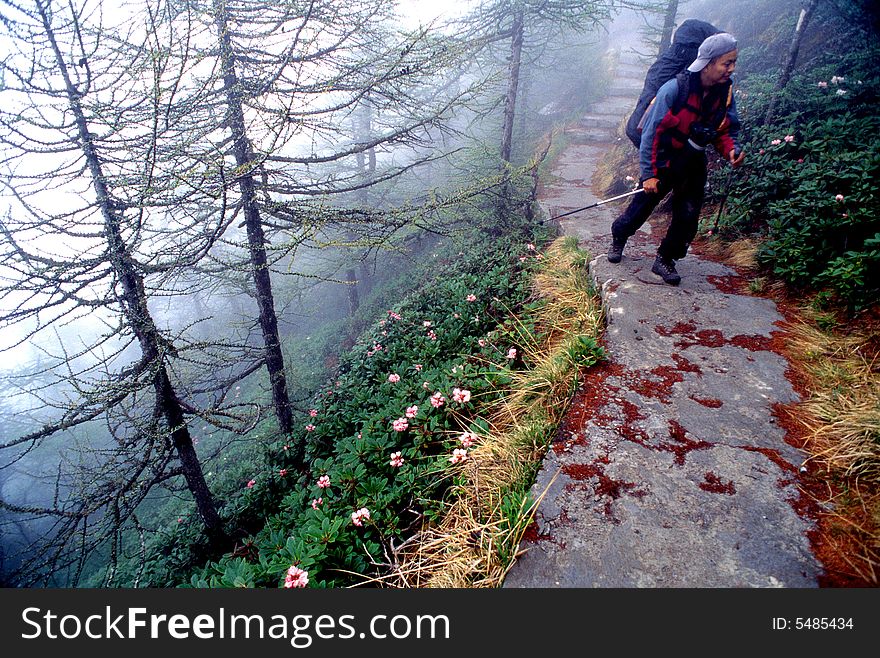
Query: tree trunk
point(134, 306)
point(668, 26)
point(354, 301)
point(255, 234)
point(801, 27)
point(169, 405)
point(516, 42)
point(366, 164)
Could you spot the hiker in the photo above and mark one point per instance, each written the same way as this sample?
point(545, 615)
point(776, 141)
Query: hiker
point(690, 112)
point(677, 57)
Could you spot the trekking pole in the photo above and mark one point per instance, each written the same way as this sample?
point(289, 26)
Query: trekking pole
point(723, 201)
point(593, 205)
point(727, 186)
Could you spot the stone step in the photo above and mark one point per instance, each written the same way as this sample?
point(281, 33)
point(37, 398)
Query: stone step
point(584, 135)
point(600, 120)
point(632, 58)
point(626, 86)
point(614, 105)
point(630, 71)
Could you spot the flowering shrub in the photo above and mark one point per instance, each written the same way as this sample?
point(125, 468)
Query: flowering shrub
point(809, 185)
point(388, 431)
point(358, 517)
point(458, 455)
point(296, 577)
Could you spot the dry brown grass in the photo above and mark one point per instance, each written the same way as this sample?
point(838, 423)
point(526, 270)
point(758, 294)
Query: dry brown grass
point(739, 253)
point(475, 542)
point(842, 421)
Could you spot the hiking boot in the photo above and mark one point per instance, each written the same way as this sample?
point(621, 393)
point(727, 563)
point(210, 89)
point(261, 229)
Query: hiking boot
point(615, 251)
point(666, 269)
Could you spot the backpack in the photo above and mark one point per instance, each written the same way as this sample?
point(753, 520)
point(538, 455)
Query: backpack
point(675, 59)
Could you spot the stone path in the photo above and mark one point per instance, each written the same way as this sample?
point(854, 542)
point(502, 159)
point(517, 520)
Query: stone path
point(669, 469)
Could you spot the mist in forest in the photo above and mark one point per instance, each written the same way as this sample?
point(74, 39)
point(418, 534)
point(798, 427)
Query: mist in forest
point(204, 203)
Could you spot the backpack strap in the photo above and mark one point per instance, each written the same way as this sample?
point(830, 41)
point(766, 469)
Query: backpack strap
point(719, 116)
point(684, 88)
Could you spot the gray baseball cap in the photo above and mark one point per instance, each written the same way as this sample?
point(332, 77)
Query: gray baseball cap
point(714, 46)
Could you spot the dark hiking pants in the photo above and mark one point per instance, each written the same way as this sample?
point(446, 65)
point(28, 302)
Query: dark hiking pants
point(686, 180)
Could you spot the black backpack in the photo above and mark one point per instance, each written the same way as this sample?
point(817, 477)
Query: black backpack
point(675, 59)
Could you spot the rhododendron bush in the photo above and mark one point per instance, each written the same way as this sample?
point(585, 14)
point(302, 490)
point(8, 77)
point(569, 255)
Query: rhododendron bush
point(388, 434)
point(808, 190)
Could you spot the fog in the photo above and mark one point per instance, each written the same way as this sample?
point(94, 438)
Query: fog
point(193, 244)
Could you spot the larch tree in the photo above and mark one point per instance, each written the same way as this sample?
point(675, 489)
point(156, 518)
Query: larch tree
point(285, 82)
point(104, 217)
point(803, 21)
point(668, 26)
point(522, 25)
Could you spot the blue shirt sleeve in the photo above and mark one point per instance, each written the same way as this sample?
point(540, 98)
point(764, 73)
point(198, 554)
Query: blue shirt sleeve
point(733, 118)
point(653, 116)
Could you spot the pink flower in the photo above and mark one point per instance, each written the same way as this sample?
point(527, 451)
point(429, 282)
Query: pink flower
point(789, 138)
point(296, 577)
point(426, 385)
point(393, 378)
point(823, 84)
point(522, 259)
point(776, 142)
point(471, 298)
point(313, 413)
point(180, 519)
point(432, 335)
point(531, 247)
point(461, 395)
point(251, 483)
point(396, 459)
point(511, 353)
point(310, 428)
point(400, 425)
point(359, 516)
point(437, 400)
point(323, 481)
point(317, 502)
point(839, 197)
point(800, 161)
point(418, 367)
point(426, 323)
point(467, 439)
point(412, 411)
point(393, 315)
point(282, 472)
point(458, 455)
point(481, 342)
point(761, 152)
point(709, 232)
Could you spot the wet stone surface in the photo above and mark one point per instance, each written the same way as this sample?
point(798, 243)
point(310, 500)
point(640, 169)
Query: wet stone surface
point(670, 469)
